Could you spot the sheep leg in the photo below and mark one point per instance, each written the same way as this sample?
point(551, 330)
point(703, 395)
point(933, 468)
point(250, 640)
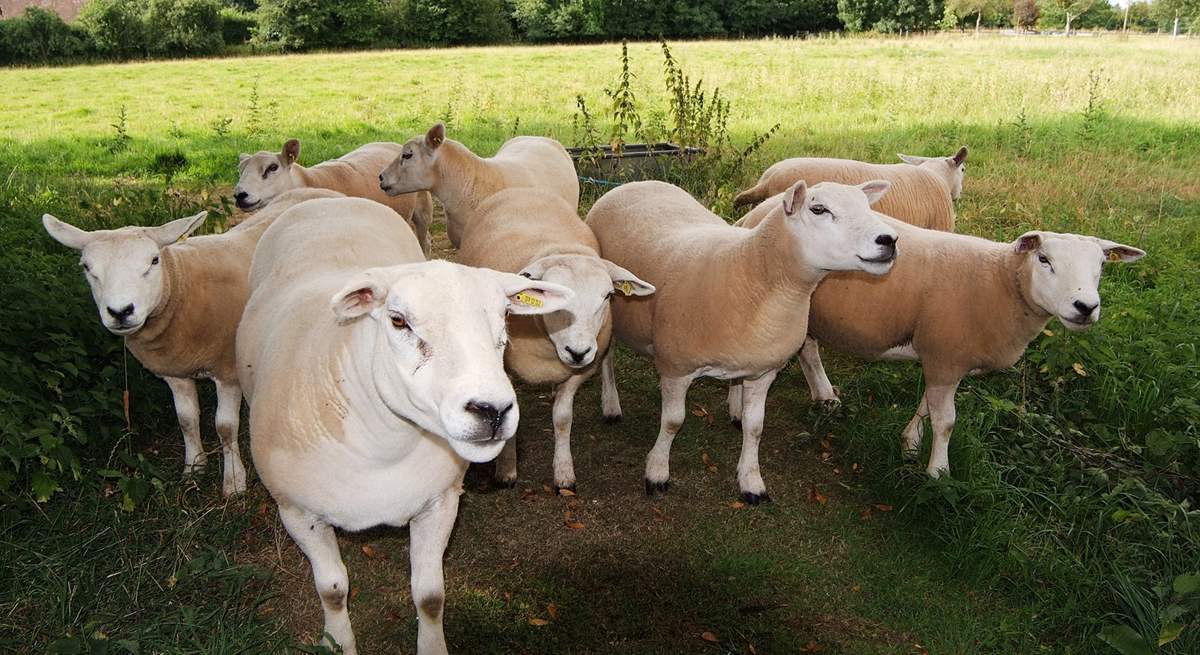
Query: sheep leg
point(674, 410)
point(610, 399)
point(940, 399)
point(430, 531)
point(229, 414)
point(819, 386)
point(506, 464)
point(564, 409)
point(319, 544)
point(734, 399)
point(187, 410)
point(754, 398)
point(914, 432)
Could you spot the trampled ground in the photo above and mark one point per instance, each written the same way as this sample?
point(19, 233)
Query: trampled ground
point(1021, 552)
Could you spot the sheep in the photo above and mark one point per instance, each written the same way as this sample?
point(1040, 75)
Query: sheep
point(961, 306)
point(368, 415)
point(923, 188)
point(537, 234)
point(177, 306)
point(264, 175)
point(731, 303)
point(461, 180)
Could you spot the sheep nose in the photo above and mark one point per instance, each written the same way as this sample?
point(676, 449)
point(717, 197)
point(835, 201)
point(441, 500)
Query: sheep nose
point(577, 356)
point(1085, 309)
point(885, 240)
point(489, 413)
point(122, 313)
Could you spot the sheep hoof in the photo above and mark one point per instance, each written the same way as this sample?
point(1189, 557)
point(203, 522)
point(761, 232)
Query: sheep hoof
point(736, 422)
point(657, 487)
point(754, 499)
point(559, 489)
point(612, 420)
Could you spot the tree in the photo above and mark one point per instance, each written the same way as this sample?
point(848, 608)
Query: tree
point(980, 8)
point(1025, 14)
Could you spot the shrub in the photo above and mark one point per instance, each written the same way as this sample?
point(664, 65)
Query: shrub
point(41, 36)
point(184, 27)
point(237, 25)
point(116, 27)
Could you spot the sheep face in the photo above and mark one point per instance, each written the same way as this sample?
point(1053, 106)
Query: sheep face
point(415, 168)
point(124, 267)
point(1064, 273)
point(437, 345)
point(952, 168)
point(837, 230)
point(574, 328)
point(264, 175)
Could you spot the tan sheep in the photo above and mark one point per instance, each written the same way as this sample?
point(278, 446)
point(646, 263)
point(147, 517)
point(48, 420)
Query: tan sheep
point(461, 180)
point(537, 234)
point(923, 189)
point(177, 305)
point(730, 303)
point(369, 414)
point(264, 175)
point(960, 305)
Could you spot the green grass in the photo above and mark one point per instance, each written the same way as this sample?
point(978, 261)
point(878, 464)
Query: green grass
point(1072, 496)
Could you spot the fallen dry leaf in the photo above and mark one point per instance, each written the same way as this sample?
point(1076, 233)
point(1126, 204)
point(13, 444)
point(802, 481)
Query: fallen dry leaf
point(537, 621)
point(368, 550)
point(709, 637)
point(552, 610)
point(816, 496)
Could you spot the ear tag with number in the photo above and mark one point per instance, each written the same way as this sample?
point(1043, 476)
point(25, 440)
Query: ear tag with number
point(526, 299)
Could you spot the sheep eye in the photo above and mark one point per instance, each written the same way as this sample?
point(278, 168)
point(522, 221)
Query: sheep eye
point(399, 322)
point(818, 209)
point(154, 262)
point(407, 155)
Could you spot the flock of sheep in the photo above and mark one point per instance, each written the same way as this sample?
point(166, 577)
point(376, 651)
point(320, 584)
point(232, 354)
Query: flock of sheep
point(374, 377)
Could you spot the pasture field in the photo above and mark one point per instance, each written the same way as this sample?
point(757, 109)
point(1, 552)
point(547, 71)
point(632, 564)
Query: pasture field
point(1070, 513)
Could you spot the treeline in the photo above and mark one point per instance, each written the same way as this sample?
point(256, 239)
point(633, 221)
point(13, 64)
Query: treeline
point(130, 29)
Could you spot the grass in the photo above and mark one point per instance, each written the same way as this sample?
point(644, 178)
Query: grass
point(1072, 495)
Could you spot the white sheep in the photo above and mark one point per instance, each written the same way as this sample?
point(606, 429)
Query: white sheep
point(461, 180)
point(177, 305)
point(730, 303)
point(960, 305)
point(370, 414)
point(537, 234)
point(923, 188)
point(264, 175)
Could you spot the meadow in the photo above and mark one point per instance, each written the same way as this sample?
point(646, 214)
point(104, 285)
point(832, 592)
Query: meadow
point(1068, 526)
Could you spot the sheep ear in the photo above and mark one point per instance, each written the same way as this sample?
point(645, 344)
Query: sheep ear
point(959, 157)
point(66, 234)
point(529, 296)
point(627, 283)
point(793, 198)
point(912, 159)
point(165, 235)
point(1028, 242)
point(291, 151)
point(435, 136)
point(875, 189)
point(362, 294)
point(1118, 252)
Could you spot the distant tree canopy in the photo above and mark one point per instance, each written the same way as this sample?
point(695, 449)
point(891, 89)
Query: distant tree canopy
point(127, 29)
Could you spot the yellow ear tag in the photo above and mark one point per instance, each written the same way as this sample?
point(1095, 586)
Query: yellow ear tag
point(627, 287)
point(1114, 256)
point(526, 299)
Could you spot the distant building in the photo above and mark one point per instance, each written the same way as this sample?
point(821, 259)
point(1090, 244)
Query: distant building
point(68, 9)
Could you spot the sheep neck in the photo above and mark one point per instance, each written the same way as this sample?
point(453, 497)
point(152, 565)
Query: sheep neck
point(462, 178)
